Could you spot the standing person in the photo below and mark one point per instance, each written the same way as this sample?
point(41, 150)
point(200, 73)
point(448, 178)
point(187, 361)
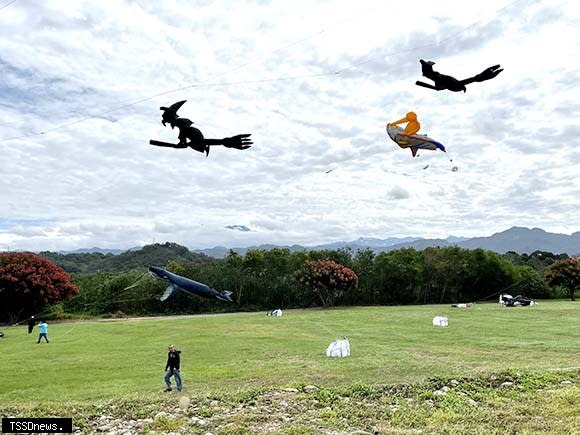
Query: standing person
point(43, 330)
point(31, 323)
point(172, 368)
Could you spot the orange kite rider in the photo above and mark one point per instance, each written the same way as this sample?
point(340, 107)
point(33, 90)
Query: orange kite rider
point(412, 127)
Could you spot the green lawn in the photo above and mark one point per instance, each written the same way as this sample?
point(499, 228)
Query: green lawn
point(89, 361)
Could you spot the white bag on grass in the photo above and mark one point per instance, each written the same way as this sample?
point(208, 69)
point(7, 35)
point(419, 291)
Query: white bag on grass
point(339, 348)
point(440, 321)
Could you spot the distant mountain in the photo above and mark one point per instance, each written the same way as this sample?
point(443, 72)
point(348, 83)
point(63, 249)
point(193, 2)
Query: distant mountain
point(525, 241)
point(421, 244)
point(453, 239)
point(221, 251)
point(517, 239)
point(368, 242)
point(389, 241)
point(215, 252)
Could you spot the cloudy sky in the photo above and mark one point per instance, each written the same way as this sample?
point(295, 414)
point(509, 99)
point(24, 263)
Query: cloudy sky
point(314, 82)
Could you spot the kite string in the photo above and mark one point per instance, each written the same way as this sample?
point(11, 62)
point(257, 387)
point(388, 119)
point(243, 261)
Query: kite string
point(84, 314)
point(7, 4)
point(86, 305)
point(136, 282)
point(76, 323)
point(206, 84)
point(435, 43)
point(129, 103)
point(504, 289)
point(35, 315)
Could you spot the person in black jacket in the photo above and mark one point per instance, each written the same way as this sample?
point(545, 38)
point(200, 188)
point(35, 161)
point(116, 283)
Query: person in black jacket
point(172, 368)
point(31, 323)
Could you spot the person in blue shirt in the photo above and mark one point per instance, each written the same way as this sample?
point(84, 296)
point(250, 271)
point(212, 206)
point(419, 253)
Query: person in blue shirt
point(43, 329)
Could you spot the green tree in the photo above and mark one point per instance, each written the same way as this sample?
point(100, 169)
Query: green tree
point(532, 282)
point(399, 276)
point(565, 273)
point(268, 277)
point(278, 273)
point(473, 275)
point(445, 273)
point(538, 260)
point(363, 266)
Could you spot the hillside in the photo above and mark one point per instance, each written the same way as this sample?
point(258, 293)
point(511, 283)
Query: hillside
point(151, 255)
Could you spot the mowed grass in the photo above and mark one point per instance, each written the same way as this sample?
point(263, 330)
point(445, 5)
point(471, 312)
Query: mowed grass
point(92, 360)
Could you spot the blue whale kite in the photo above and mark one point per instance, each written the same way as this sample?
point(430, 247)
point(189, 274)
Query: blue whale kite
point(177, 282)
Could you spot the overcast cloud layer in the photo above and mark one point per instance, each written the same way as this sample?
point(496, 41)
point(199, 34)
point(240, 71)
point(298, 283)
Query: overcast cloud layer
point(315, 83)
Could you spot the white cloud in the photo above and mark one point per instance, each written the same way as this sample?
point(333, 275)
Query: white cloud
point(98, 183)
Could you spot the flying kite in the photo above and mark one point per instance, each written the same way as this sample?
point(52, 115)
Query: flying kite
point(177, 282)
point(408, 138)
point(451, 83)
point(192, 137)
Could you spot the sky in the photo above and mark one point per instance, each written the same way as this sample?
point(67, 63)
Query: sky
point(315, 83)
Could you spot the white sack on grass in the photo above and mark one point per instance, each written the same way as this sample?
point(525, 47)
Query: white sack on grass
point(339, 348)
point(440, 321)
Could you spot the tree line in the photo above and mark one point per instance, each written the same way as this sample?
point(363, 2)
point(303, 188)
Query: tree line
point(264, 280)
point(279, 278)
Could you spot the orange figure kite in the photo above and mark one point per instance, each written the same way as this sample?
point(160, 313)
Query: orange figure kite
point(408, 138)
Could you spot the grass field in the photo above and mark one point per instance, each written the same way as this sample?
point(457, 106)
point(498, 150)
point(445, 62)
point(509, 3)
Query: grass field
point(91, 360)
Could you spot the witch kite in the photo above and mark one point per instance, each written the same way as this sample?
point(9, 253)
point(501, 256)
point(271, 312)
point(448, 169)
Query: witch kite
point(450, 83)
point(191, 137)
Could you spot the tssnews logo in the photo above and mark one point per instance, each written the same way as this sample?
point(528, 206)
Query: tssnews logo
point(37, 425)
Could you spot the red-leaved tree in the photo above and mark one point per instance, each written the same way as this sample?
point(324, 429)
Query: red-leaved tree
point(28, 282)
point(328, 279)
point(565, 273)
